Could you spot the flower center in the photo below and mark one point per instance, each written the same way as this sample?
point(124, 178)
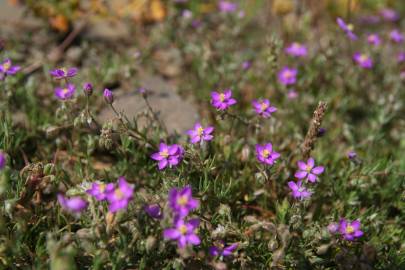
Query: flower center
point(101, 187)
point(164, 153)
point(183, 229)
point(296, 46)
point(65, 91)
point(200, 131)
point(263, 106)
point(349, 229)
point(350, 27)
point(288, 74)
point(6, 66)
point(265, 153)
point(182, 200)
point(363, 58)
point(118, 194)
point(221, 97)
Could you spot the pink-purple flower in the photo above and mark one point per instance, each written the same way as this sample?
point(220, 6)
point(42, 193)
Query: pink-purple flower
point(374, 39)
point(65, 92)
point(74, 205)
point(347, 28)
point(246, 65)
point(184, 232)
point(308, 170)
point(3, 160)
point(63, 73)
point(287, 76)
point(263, 108)
point(222, 249)
point(363, 60)
point(108, 96)
point(265, 154)
point(181, 201)
point(222, 101)
point(298, 191)
point(396, 36)
point(297, 50)
point(401, 57)
point(120, 196)
point(100, 190)
point(168, 155)
point(350, 230)
point(199, 134)
point(7, 68)
point(389, 14)
point(154, 211)
point(227, 6)
point(333, 228)
point(88, 88)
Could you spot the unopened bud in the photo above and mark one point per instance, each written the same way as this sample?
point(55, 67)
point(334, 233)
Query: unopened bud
point(108, 96)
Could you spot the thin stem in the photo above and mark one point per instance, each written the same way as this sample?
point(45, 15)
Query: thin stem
point(154, 114)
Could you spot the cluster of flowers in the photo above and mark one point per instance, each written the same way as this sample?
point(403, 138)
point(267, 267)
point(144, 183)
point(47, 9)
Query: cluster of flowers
point(287, 76)
point(363, 59)
point(306, 171)
point(171, 155)
point(118, 196)
point(349, 230)
point(7, 69)
point(67, 90)
point(184, 230)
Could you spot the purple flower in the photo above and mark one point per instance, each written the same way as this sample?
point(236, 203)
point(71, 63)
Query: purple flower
point(321, 132)
point(308, 170)
point(374, 39)
point(88, 88)
point(200, 134)
point(265, 154)
point(287, 76)
point(184, 232)
point(363, 60)
point(298, 191)
point(168, 155)
point(401, 57)
point(350, 230)
point(296, 49)
point(333, 228)
point(181, 201)
point(389, 14)
point(246, 65)
point(74, 204)
point(3, 160)
point(263, 108)
point(396, 36)
point(223, 250)
point(351, 155)
point(120, 196)
point(347, 28)
point(63, 73)
point(100, 190)
point(187, 14)
point(154, 211)
point(108, 96)
point(222, 101)
point(7, 67)
point(292, 94)
point(66, 92)
point(227, 6)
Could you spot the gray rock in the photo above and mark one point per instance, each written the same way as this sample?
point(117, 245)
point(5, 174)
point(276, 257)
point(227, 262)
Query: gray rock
point(177, 114)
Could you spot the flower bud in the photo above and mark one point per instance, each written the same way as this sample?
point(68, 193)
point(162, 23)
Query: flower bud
point(108, 96)
point(88, 88)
